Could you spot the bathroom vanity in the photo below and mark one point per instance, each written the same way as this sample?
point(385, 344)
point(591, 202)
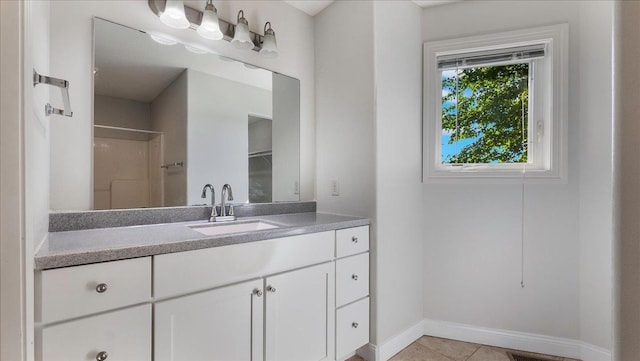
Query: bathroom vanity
point(298, 290)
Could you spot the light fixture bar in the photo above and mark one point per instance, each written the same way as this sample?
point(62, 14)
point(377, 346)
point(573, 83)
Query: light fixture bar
point(195, 17)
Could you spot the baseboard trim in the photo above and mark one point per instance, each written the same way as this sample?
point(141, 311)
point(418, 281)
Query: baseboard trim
point(589, 352)
point(516, 340)
point(368, 352)
point(400, 341)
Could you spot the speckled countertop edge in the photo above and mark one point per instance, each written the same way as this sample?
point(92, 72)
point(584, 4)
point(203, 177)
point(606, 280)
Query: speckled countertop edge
point(73, 248)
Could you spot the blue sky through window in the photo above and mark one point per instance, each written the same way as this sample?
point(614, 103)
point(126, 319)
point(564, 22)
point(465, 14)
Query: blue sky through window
point(453, 148)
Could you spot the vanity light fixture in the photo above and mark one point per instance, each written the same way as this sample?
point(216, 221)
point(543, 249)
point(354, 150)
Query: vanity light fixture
point(210, 26)
point(242, 36)
point(269, 47)
point(174, 16)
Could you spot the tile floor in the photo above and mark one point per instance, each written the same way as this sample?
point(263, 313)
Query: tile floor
point(439, 349)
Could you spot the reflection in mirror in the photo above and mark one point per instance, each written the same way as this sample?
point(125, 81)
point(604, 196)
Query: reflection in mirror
point(168, 120)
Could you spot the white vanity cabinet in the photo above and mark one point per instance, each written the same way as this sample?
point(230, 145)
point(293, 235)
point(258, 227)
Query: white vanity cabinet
point(222, 324)
point(352, 290)
point(114, 336)
point(95, 312)
point(299, 315)
point(297, 298)
point(293, 313)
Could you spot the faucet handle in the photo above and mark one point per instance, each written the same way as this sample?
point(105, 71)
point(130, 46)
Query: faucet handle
point(231, 210)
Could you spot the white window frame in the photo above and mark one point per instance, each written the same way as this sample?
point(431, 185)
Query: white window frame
point(548, 109)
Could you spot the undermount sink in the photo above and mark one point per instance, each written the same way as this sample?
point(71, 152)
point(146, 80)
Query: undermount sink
point(216, 229)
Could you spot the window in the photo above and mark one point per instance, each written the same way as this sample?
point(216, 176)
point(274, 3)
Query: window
point(495, 106)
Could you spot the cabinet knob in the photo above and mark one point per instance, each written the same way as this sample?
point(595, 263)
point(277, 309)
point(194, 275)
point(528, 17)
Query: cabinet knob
point(102, 356)
point(257, 292)
point(101, 288)
point(354, 325)
point(354, 239)
point(354, 277)
point(271, 289)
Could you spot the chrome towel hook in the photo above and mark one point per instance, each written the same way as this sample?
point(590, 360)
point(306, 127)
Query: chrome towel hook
point(64, 89)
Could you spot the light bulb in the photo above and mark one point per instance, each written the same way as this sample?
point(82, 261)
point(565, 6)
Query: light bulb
point(242, 36)
point(269, 46)
point(173, 15)
point(210, 26)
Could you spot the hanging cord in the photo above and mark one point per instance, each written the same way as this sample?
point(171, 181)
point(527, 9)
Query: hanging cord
point(524, 171)
point(522, 237)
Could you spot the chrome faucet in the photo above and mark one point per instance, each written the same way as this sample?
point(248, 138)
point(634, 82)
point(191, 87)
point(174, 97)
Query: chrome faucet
point(212, 218)
point(223, 195)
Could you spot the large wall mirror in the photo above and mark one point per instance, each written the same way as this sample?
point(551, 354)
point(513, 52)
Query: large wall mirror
point(169, 119)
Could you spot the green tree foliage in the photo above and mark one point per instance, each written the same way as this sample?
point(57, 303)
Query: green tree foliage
point(487, 105)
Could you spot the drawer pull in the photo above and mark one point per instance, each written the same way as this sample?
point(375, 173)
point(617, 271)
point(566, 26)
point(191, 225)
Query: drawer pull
point(102, 356)
point(354, 325)
point(354, 277)
point(271, 289)
point(101, 288)
point(257, 292)
point(354, 239)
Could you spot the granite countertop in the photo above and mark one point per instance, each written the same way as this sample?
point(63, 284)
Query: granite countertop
point(72, 248)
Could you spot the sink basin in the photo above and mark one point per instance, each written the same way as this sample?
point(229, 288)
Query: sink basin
point(215, 229)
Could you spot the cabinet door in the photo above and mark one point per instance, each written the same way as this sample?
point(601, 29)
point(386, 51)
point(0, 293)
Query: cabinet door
point(222, 324)
point(300, 315)
point(117, 336)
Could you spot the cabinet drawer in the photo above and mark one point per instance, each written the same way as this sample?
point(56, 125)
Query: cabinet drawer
point(351, 241)
point(352, 327)
point(184, 272)
point(352, 278)
point(122, 335)
point(82, 290)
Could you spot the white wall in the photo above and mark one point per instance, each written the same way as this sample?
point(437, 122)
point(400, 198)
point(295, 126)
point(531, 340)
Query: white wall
point(398, 85)
point(595, 207)
point(368, 111)
point(473, 232)
point(169, 114)
point(118, 112)
point(71, 33)
point(345, 108)
point(218, 134)
point(345, 116)
point(286, 142)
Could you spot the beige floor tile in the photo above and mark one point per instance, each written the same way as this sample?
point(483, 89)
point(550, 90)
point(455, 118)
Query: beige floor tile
point(456, 350)
point(486, 353)
point(417, 352)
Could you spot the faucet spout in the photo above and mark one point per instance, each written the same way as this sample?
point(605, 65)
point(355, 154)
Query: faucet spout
point(223, 195)
point(212, 218)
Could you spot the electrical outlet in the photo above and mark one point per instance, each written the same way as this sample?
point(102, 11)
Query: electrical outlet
point(335, 187)
point(296, 187)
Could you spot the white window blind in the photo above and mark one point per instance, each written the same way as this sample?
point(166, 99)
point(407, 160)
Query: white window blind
point(490, 57)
